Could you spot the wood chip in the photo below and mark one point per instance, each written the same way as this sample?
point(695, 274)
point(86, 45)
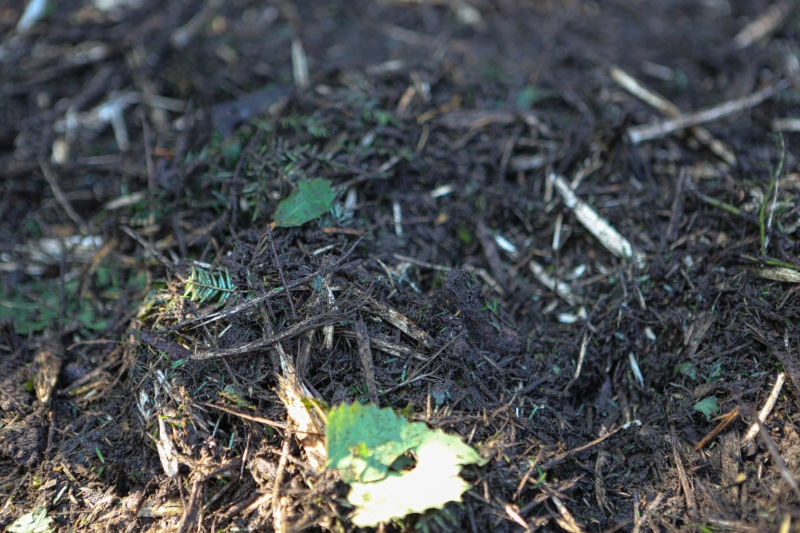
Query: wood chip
point(688, 491)
point(365, 354)
point(48, 365)
point(598, 226)
point(399, 321)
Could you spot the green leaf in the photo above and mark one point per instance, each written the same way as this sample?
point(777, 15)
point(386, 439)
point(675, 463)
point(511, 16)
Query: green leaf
point(430, 485)
point(529, 96)
point(231, 150)
point(35, 522)
point(203, 286)
point(363, 441)
point(37, 305)
point(313, 199)
point(687, 369)
point(707, 406)
point(369, 445)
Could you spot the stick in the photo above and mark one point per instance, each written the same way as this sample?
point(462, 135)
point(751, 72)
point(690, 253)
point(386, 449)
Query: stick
point(776, 456)
point(581, 357)
point(586, 215)
point(61, 198)
point(280, 271)
point(155, 253)
point(649, 132)
point(296, 329)
point(727, 419)
point(561, 289)
point(677, 206)
point(765, 24)
point(687, 488)
point(365, 354)
point(632, 85)
point(768, 405)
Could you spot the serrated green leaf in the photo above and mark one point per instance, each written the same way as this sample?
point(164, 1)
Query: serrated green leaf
point(430, 485)
point(313, 199)
point(707, 406)
point(366, 444)
point(35, 522)
point(363, 441)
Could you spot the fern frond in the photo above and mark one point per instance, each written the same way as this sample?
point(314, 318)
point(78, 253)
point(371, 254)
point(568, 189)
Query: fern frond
point(203, 286)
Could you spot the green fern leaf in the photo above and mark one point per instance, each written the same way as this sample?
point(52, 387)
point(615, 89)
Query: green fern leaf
point(203, 286)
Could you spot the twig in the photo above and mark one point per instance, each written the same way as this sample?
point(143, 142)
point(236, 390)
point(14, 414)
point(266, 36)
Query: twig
point(557, 231)
point(677, 206)
point(181, 37)
point(648, 132)
point(599, 487)
point(567, 521)
point(146, 245)
point(491, 253)
point(327, 331)
point(252, 418)
point(637, 517)
point(524, 480)
point(727, 419)
point(598, 226)
point(765, 24)
point(768, 405)
point(561, 289)
point(596, 163)
point(211, 317)
point(510, 144)
point(191, 511)
point(581, 357)
point(313, 322)
point(365, 354)
point(632, 85)
point(398, 320)
point(687, 488)
point(652, 506)
point(300, 64)
point(61, 198)
point(255, 501)
point(773, 187)
point(304, 352)
point(307, 418)
point(566, 455)
point(773, 451)
point(423, 264)
point(280, 272)
point(276, 487)
point(637, 372)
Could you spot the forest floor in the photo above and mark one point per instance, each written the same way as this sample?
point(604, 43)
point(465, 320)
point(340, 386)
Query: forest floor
point(470, 212)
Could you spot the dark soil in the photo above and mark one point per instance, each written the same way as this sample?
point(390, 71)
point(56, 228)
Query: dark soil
point(139, 300)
